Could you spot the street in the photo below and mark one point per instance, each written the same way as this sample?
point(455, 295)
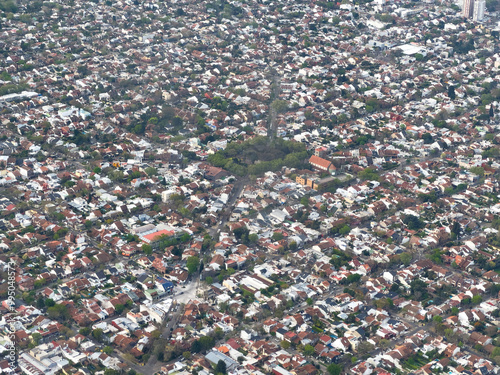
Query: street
point(185, 293)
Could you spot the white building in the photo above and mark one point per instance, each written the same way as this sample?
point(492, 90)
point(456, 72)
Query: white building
point(479, 7)
point(158, 311)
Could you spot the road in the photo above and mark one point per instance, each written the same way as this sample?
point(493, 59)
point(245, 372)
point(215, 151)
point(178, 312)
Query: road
point(238, 187)
point(188, 292)
point(153, 365)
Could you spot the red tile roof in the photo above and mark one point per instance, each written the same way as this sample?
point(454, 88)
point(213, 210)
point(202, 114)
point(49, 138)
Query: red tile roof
point(152, 236)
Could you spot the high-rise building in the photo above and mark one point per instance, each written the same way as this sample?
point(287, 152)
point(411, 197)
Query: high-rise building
point(474, 9)
point(479, 7)
point(468, 8)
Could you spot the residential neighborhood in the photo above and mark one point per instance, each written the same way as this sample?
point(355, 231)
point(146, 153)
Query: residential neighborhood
point(249, 187)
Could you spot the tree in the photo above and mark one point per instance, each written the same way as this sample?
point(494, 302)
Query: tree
point(107, 349)
point(97, 334)
point(40, 303)
point(241, 234)
point(436, 256)
point(148, 249)
point(344, 230)
point(277, 236)
point(365, 347)
point(85, 331)
point(419, 57)
point(495, 352)
point(310, 302)
point(451, 92)
point(418, 289)
point(187, 355)
point(221, 367)
point(383, 303)
point(192, 264)
point(150, 171)
point(196, 346)
point(119, 309)
point(334, 369)
point(156, 334)
point(479, 171)
point(285, 344)
point(218, 333)
point(116, 176)
point(351, 318)
point(384, 344)
point(206, 342)
point(36, 337)
point(479, 326)
point(308, 350)
point(368, 174)
point(456, 228)
point(253, 238)
point(279, 105)
point(177, 122)
point(449, 333)
point(405, 258)
point(413, 222)
point(58, 311)
point(352, 278)
point(395, 288)
point(427, 137)
point(304, 201)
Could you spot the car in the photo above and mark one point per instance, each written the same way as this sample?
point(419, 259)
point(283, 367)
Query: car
point(181, 293)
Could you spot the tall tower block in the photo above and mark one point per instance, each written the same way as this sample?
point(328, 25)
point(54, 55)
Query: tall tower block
point(479, 7)
point(468, 8)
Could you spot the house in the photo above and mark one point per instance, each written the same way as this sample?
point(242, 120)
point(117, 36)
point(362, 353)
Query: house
point(154, 239)
point(465, 317)
point(322, 165)
point(178, 275)
point(331, 356)
point(280, 333)
point(167, 285)
point(215, 356)
point(268, 325)
point(277, 370)
point(325, 340)
point(342, 344)
point(214, 173)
